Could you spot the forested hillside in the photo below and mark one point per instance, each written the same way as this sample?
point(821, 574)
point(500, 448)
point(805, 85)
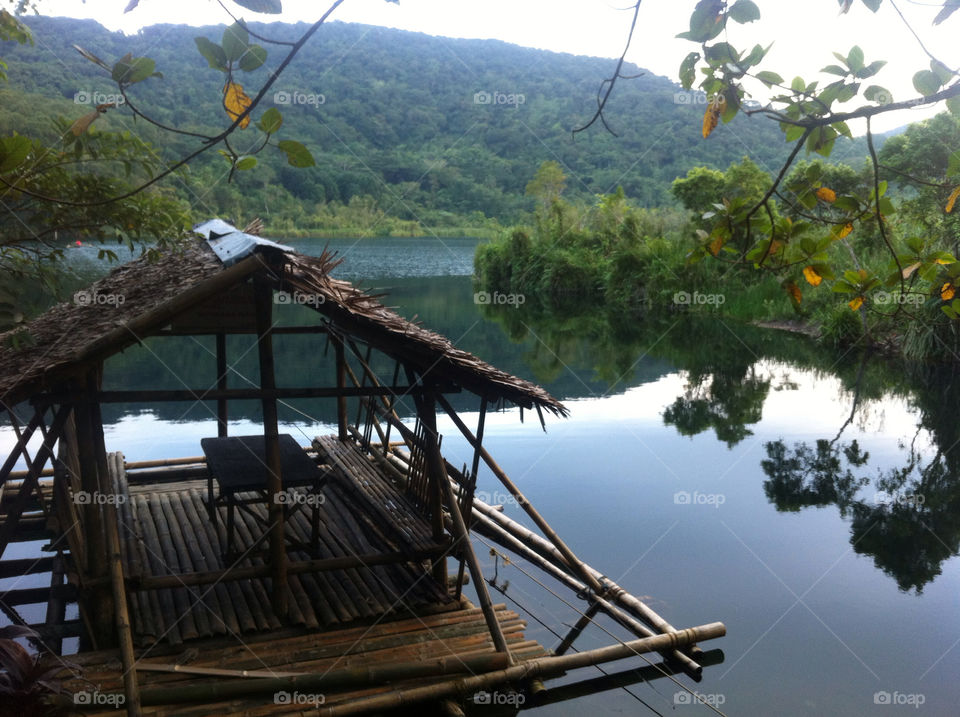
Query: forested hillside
point(394, 120)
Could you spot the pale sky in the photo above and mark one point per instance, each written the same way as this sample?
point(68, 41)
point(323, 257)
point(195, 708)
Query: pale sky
point(804, 34)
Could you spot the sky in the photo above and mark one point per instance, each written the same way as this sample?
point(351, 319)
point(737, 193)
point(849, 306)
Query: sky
point(804, 34)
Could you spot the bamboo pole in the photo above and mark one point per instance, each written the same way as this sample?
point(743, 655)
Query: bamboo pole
point(537, 543)
point(341, 359)
point(626, 620)
point(538, 667)
point(333, 680)
point(438, 473)
point(122, 614)
point(278, 556)
point(572, 560)
point(223, 414)
point(567, 642)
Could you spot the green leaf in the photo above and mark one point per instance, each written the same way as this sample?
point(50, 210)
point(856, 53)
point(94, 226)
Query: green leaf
point(213, 53)
point(13, 151)
point(744, 11)
point(949, 7)
point(270, 7)
point(141, 69)
point(836, 70)
point(798, 85)
point(755, 57)
point(943, 73)
point(297, 154)
point(688, 70)
point(721, 52)
point(871, 69)
point(874, 5)
point(953, 164)
point(121, 67)
point(878, 94)
point(235, 42)
point(855, 58)
point(769, 78)
point(792, 132)
point(244, 163)
point(271, 121)
point(953, 104)
point(706, 22)
point(253, 58)
point(926, 83)
point(846, 203)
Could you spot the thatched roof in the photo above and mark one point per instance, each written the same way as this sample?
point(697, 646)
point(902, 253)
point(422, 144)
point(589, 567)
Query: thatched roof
point(68, 337)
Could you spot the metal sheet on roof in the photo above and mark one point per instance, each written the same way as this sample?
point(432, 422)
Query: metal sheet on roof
point(230, 244)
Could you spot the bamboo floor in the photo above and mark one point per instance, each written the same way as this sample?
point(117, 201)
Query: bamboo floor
point(165, 530)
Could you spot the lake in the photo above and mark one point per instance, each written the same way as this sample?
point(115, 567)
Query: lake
point(808, 499)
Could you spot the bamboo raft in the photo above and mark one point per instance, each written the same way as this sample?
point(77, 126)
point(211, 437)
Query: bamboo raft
point(166, 532)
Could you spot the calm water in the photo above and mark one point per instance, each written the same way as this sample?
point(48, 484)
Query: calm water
point(809, 501)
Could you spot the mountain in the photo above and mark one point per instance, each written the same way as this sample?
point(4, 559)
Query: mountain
point(426, 127)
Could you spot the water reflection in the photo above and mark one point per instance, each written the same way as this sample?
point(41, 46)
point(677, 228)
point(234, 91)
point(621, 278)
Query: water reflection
point(903, 510)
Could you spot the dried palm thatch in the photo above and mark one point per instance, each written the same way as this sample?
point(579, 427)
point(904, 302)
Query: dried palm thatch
point(138, 299)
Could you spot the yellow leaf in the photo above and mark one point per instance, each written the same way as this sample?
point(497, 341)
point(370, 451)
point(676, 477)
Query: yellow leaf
point(943, 261)
point(847, 228)
point(855, 304)
point(711, 118)
point(908, 270)
point(794, 292)
point(827, 195)
point(716, 245)
point(83, 124)
point(235, 101)
point(947, 291)
point(811, 275)
point(952, 199)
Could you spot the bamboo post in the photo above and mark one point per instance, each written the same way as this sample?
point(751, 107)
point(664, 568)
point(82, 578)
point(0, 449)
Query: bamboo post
point(426, 408)
point(341, 359)
point(572, 560)
point(223, 415)
point(122, 614)
point(263, 297)
point(438, 472)
point(567, 642)
point(471, 486)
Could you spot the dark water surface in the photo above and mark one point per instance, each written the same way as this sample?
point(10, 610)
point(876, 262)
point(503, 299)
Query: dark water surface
point(809, 501)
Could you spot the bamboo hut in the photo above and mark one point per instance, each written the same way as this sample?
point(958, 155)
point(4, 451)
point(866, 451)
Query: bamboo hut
point(265, 577)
